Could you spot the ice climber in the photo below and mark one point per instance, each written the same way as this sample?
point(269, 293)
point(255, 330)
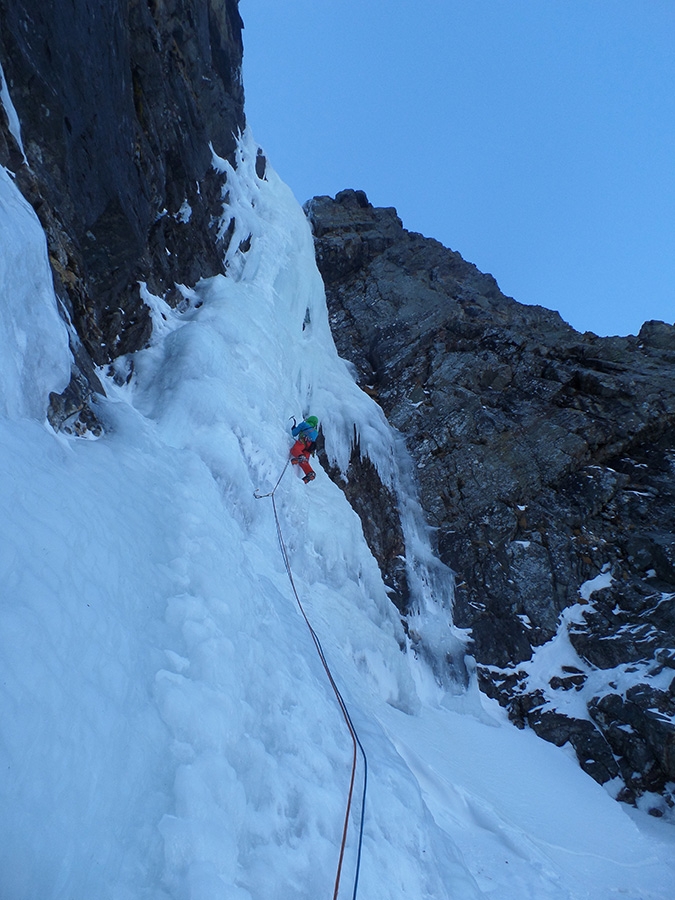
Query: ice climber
point(306, 434)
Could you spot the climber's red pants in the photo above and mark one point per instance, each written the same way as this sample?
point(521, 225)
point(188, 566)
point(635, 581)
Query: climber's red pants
point(300, 457)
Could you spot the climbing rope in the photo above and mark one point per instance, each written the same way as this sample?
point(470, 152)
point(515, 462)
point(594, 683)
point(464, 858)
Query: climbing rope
point(356, 742)
point(259, 496)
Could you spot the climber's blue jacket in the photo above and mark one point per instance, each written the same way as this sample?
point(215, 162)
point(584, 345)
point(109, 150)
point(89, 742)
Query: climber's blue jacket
point(305, 431)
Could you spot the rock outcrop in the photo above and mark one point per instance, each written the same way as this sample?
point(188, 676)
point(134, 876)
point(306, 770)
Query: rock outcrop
point(546, 463)
point(120, 102)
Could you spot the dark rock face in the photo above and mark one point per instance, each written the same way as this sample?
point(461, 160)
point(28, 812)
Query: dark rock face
point(118, 101)
point(640, 731)
point(544, 458)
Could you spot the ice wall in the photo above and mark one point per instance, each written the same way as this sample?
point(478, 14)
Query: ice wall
point(35, 358)
point(169, 730)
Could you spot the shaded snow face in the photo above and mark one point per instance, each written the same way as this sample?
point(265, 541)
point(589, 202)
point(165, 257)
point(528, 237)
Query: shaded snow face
point(35, 358)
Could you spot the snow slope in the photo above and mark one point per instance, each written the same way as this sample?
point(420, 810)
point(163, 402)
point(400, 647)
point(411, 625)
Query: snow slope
point(168, 729)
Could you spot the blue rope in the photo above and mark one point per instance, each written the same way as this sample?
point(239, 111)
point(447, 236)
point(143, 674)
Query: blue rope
point(338, 694)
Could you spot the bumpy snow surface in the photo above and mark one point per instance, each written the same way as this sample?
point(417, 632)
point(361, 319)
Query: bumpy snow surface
point(166, 727)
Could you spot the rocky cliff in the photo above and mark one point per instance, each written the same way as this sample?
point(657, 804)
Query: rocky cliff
point(120, 102)
point(546, 466)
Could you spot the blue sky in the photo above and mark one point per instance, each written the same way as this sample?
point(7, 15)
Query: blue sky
point(536, 137)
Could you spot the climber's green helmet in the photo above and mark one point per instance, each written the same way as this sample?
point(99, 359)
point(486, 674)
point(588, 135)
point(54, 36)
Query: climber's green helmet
point(313, 421)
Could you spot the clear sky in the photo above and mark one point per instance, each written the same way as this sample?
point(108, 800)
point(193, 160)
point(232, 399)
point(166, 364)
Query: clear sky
point(536, 137)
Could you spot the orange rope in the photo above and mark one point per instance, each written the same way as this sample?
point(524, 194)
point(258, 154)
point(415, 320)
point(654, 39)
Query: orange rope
point(336, 690)
point(345, 712)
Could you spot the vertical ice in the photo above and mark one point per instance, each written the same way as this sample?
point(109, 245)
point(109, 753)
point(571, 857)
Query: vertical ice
point(34, 354)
